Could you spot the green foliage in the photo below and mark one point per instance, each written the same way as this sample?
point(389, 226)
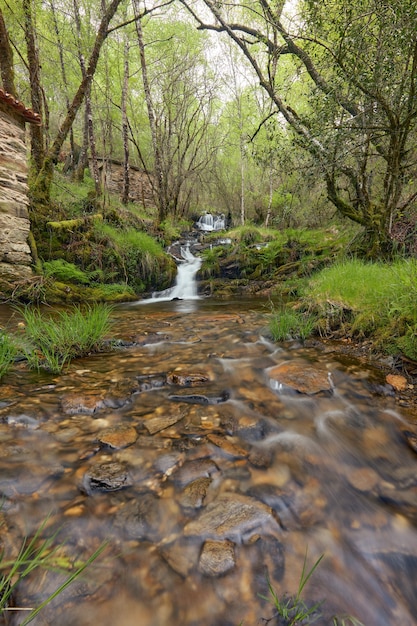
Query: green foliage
point(293, 609)
point(171, 229)
point(135, 257)
point(211, 261)
point(65, 272)
point(246, 235)
point(8, 351)
point(36, 554)
point(380, 296)
point(288, 324)
point(50, 343)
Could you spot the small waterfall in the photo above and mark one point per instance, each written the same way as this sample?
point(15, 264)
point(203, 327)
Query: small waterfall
point(185, 287)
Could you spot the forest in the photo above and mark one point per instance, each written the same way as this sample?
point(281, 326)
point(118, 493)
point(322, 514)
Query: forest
point(297, 120)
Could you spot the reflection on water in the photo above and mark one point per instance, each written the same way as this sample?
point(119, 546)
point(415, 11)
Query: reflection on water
point(212, 460)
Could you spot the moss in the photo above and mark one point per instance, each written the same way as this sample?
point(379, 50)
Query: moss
point(58, 293)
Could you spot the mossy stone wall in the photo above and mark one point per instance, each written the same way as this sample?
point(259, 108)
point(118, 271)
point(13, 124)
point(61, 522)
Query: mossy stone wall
point(15, 254)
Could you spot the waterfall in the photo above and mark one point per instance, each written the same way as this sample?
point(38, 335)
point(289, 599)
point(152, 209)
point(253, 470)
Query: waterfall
point(185, 287)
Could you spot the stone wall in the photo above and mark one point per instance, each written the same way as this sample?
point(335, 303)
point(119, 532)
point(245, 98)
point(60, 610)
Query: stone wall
point(140, 187)
point(15, 255)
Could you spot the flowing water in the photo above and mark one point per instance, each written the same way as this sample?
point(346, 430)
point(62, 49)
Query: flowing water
point(212, 460)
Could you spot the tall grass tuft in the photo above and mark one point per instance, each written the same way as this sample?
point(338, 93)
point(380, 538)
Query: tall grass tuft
point(8, 351)
point(36, 554)
point(288, 324)
point(293, 609)
point(51, 342)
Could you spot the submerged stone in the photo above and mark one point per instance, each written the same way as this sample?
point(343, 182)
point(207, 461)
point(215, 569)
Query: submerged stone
point(230, 516)
point(156, 424)
point(118, 436)
point(300, 376)
point(191, 379)
point(106, 477)
point(217, 558)
point(195, 492)
point(74, 404)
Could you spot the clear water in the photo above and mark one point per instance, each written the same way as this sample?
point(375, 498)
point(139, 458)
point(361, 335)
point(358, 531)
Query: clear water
point(334, 468)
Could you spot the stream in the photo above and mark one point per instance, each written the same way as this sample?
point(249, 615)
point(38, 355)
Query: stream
point(213, 461)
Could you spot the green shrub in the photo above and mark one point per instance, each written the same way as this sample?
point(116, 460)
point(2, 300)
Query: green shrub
point(51, 342)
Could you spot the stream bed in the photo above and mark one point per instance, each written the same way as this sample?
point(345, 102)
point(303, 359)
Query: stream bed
point(214, 463)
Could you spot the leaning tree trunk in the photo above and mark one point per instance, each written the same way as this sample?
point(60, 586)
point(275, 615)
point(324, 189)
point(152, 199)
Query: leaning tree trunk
point(41, 188)
point(36, 131)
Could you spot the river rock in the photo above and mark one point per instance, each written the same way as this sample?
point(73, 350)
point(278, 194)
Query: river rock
point(399, 383)
point(139, 518)
point(230, 448)
point(363, 478)
point(300, 376)
point(160, 422)
point(184, 379)
point(411, 439)
point(217, 558)
point(72, 404)
point(181, 555)
point(194, 493)
point(106, 477)
point(232, 516)
point(191, 470)
point(119, 436)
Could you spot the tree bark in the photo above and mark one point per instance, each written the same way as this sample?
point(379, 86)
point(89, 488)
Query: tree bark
point(42, 184)
point(36, 131)
point(161, 196)
point(125, 127)
point(6, 59)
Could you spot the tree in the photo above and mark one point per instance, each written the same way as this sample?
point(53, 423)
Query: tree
point(178, 92)
point(361, 63)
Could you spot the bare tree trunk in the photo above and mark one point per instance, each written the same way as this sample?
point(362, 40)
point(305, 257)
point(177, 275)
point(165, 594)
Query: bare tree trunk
point(242, 180)
point(161, 196)
point(125, 127)
point(89, 138)
point(41, 188)
point(271, 191)
point(64, 76)
point(6, 59)
point(36, 132)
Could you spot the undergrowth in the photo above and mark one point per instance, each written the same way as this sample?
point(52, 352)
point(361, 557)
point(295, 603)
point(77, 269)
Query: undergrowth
point(376, 300)
point(51, 342)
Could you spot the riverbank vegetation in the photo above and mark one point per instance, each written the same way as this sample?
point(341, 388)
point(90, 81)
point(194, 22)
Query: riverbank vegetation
point(35, 555)
point(50, 341)
point(300, 136)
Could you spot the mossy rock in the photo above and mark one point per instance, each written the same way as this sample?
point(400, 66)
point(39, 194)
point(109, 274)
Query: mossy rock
point(58, 293)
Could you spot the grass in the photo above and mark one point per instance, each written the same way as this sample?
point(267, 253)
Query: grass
point(65, 272)
point(139, 257)
point(381, 298)
point(8, 352)
point(289, 324)
point(51, 342)
point(293, 610)
point(36, 554)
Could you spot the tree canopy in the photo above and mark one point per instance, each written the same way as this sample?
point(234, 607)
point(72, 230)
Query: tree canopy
point(227, 104)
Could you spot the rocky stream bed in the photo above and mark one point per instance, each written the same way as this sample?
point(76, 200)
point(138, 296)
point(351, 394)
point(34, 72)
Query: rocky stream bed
point(212, 461)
